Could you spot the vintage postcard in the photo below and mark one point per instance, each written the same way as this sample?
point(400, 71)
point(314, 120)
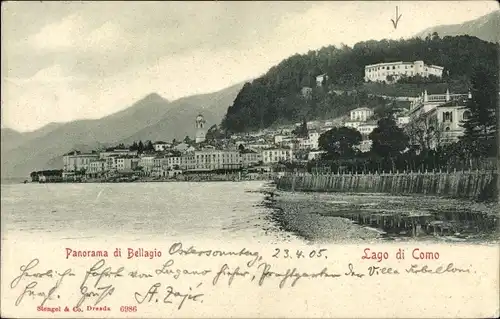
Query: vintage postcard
point(266, 159)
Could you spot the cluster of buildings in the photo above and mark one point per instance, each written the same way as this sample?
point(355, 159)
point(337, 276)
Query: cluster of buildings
point(393, 71)
point(268, 147)
point(265, 148)
point(170, 159)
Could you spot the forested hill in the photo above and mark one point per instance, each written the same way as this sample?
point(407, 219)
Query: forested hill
point(276, 96)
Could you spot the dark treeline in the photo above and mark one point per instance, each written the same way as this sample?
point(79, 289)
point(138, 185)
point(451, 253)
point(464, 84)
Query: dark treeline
point(276, 96)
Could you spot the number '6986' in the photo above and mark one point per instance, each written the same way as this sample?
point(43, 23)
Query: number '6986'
point(128, 309)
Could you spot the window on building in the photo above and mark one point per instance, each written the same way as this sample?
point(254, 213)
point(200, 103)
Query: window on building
point(466, 115)
point(447, 117)
point(447, 129)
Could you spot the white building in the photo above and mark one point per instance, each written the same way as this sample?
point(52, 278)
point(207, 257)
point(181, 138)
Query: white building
point(361, 114)
point(366, 128)
point(279, 138)
point(161, 146)
point(97, 167)
point(381, 71)
point(274, 155)
point(250, 158)
point(209, 160)
point(353, 124)
point(111, 162)
point(147, 162)
point(443, 112)
point(126, 163)
point(320, 79)
point(256, 146)
point(77, 161)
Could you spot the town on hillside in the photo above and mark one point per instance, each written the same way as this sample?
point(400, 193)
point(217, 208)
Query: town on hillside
point(426, 122)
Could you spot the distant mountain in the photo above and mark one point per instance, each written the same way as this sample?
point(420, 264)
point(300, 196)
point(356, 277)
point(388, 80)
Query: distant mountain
point(486, 28)
point(179, 119)
point(12, 138)
point(152, 117)
point(41, 147)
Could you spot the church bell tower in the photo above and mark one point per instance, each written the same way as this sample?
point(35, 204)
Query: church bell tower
point(200, 129)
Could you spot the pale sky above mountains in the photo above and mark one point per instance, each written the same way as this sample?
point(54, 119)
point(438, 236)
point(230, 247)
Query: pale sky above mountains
point(63, 61)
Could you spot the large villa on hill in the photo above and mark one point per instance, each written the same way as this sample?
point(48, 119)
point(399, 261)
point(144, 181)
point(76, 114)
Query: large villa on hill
point(392, 71)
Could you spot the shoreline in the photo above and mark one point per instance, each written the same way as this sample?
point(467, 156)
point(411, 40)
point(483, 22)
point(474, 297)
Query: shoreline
point(353, 217)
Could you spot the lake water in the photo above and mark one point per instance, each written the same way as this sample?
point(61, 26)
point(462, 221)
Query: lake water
point(223, 211)
point(137, 211)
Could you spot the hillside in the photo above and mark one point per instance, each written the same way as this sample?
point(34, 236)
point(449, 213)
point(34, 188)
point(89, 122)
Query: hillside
point(178, 120)
point(151, 118)
point(276, 96)
point(485, 28)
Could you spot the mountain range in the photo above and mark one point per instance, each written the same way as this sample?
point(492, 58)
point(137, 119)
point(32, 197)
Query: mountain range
point(485, 28)
point(151, 118)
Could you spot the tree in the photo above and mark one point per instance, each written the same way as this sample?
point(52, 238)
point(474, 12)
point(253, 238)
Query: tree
point(214, 133)
point(385, 110)
point(149, 146)
point(339, 142)
point(424, 133)
point(301, 131)
point(241, 147)
point(188, 140)
point(140, 147)
point(134, 146)
point(388, 140)
point(480, 123)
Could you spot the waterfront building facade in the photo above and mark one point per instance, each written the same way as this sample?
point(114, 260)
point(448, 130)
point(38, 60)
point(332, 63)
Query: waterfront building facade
point(77, 161)
point(275, 155)
point(209, 160)
point(97, 168)
point(147, 163)
point(250, 158)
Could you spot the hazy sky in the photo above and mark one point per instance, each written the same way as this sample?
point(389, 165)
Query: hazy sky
point(64, 61)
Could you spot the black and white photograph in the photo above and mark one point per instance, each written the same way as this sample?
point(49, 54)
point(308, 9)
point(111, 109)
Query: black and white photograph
point(293, 124)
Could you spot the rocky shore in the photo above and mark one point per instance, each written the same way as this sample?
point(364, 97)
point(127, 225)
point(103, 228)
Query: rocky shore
point(300, 214)
point(343, 217)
